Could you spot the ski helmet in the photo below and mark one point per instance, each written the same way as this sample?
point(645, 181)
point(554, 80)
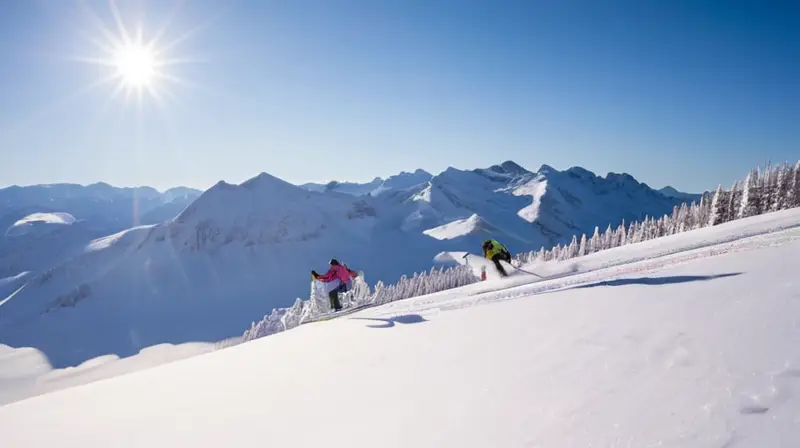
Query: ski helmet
point(334, 262)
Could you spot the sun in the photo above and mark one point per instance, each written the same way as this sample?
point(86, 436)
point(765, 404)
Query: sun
point(136, 65)
point(138, 60)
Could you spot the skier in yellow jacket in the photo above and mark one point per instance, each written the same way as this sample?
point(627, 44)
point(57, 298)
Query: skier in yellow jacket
point(492, 250)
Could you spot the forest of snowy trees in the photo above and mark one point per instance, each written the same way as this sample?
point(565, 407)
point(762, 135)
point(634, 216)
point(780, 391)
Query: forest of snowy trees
point(775, 188)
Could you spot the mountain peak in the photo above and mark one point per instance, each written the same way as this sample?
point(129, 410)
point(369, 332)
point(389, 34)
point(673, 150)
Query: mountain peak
point(674, 193)
point(581, 172)
point(513, 167)
point(622, 179)
point(264, 180)
point(670, 191)
point(546, 169)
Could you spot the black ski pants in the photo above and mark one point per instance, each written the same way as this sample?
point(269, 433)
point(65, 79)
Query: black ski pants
point(505, 256)
point(334, 296)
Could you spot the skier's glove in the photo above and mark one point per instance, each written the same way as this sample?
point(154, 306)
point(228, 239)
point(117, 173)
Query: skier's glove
point(314, 274)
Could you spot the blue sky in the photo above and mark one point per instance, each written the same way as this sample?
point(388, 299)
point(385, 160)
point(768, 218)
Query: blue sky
point(687, 93)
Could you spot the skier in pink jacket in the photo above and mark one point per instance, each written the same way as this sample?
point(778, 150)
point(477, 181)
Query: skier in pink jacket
point(338, 272)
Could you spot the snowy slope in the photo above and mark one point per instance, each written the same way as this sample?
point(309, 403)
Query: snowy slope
point(460, 227)
point(693, 349)
point(42, 241)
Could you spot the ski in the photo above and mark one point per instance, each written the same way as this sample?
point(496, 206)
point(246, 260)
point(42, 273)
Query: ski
point(334, 314)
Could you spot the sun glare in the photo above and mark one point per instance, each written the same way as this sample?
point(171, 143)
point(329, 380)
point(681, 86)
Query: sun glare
point(136, 65)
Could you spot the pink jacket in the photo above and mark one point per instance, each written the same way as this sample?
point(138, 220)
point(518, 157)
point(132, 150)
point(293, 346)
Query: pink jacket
point(340, 272)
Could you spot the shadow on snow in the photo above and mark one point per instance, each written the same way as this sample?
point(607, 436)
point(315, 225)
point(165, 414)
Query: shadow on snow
point(388, 323)
point(656, 281)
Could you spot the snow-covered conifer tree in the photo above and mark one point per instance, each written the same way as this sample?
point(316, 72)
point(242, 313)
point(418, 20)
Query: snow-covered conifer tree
point(594, 243)
point(632, 232)
point(795, 188)
point(645, 229)
point(752, 195)
point(605, 242)
point(623, 234)
point(769, 188)
point(682, 220)
point(734, 199)
point(582, 248)
point(783, 185)
point(717, 207)
point(573, 247)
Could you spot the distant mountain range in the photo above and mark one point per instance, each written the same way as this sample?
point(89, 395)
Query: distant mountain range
point(685, 197)
point(34, 240)
point(189, 266)
point(376, 187)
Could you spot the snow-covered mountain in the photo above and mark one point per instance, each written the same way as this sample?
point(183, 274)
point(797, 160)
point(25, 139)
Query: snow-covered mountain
point(240, 250)
point(527, 210)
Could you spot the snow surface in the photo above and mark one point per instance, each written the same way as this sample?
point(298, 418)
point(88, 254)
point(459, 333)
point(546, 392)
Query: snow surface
point(26, 372)
point(697, 348)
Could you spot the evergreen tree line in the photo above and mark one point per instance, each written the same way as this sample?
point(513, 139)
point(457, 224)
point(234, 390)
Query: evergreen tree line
point(775, 188)
point(422, 283)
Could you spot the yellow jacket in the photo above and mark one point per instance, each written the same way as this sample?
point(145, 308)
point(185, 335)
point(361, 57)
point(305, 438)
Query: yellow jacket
point(494, 249)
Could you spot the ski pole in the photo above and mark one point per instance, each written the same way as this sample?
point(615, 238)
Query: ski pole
point(527, 272)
